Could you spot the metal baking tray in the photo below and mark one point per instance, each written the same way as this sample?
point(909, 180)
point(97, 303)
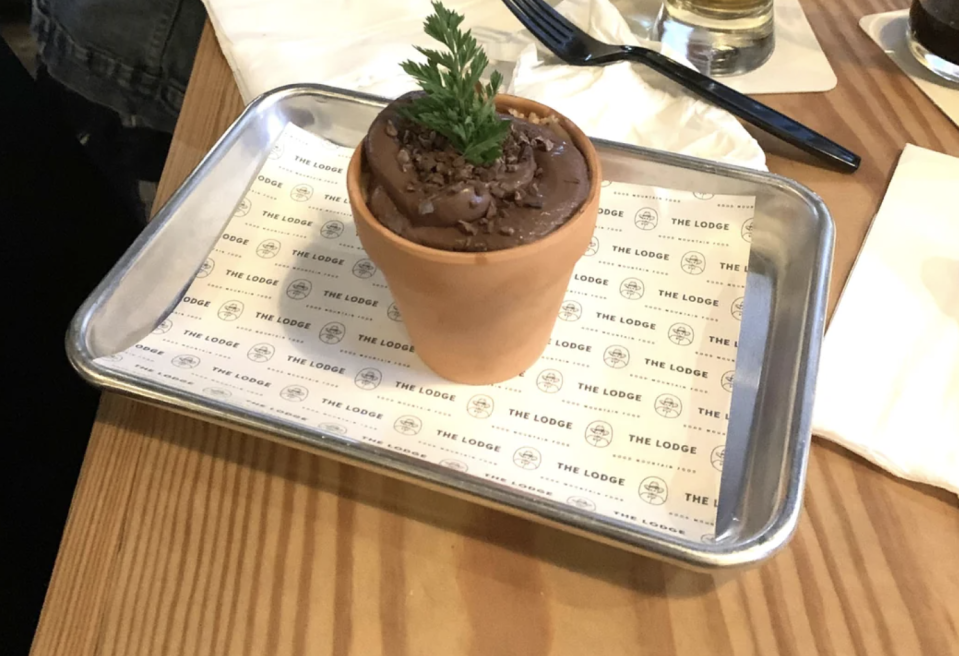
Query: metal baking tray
point(769, 430)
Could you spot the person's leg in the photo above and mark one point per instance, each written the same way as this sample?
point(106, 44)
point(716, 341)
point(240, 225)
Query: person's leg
point(118, 71)
point(63, 228)
point(124, 155)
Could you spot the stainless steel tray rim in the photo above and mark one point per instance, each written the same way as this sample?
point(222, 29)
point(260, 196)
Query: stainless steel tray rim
point(679, 551)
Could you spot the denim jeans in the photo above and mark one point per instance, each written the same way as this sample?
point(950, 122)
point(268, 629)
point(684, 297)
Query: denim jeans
point(133, 56)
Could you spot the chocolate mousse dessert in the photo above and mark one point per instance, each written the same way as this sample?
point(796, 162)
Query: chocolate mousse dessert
point(475, 207)
point(447, 171)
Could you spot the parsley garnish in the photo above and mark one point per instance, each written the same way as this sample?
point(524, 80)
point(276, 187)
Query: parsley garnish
point(456, 105)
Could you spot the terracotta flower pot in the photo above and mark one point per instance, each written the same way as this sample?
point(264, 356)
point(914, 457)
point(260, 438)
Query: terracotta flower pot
point(480, 318)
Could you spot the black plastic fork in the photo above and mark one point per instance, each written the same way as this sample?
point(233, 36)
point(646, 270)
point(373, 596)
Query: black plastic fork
point(577, 48)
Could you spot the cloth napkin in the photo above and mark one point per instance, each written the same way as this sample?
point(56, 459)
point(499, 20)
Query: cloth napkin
point(359, 45)
point(889, 372)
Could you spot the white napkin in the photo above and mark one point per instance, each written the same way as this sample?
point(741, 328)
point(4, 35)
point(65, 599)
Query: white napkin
point(630, 103)
point(889, 373)
point(359, 45)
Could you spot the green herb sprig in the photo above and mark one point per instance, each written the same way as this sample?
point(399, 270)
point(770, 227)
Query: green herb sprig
point(456, 105)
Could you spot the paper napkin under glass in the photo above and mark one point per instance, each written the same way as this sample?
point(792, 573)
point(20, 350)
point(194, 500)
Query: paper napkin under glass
point(359, 45)
point(889, 372)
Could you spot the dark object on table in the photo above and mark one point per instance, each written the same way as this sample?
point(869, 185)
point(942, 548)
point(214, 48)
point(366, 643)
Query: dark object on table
point(936, 24)
point(577, 48)
point(934, 35)
point(63, 230)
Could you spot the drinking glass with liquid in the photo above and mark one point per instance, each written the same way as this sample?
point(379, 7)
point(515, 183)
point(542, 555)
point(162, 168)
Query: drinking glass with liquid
point(719, 37)
point(933, 36)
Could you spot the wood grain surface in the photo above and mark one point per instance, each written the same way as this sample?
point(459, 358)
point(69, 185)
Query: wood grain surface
point(187, 538)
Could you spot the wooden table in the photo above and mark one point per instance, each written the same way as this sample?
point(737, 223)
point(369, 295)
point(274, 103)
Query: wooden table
point(186, 538)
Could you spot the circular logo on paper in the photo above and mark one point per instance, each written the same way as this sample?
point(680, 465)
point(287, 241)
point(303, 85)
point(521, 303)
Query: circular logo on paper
point(230, 311)
point(299, 289)
point(727, 381)
point(276, 152)
point(336, 429)
point(668, 406)
point(653, 490)
point(243, 208)
point(717, 457)
point(616, 357)
point(364, 269)
point(736, 309)
point(570, 311)
point(593, 247)
point(368, 379)
point(206, 268)
point(268, 248)
point(164, 327)
point(747, 231)
point(480, 406)
point(599, 434)
point(294, 393)
point(302, 192)
point(702, 196)
point(112, 358)
point(527, 458)
point(582, 503)
point(261, 352)
point(455, 464)
point(217, 392)
point(332, 229)
point(332, 333)
point(393, 313)
point(549, 381)
point(646, 219)
point(605, 183)
point(408, 425)
point(693, 263)
point(681, 334)
point(632, 289)
point(708, 538)
point(185, 361)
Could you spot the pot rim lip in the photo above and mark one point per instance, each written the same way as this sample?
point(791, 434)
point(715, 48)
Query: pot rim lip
point(580, 140)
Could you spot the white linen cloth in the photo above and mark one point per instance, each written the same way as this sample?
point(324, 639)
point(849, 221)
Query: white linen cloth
point(889, 372)
point(359, 45)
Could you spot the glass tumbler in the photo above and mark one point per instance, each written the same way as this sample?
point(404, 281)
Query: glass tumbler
point(933, 36)
point(719, 37)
